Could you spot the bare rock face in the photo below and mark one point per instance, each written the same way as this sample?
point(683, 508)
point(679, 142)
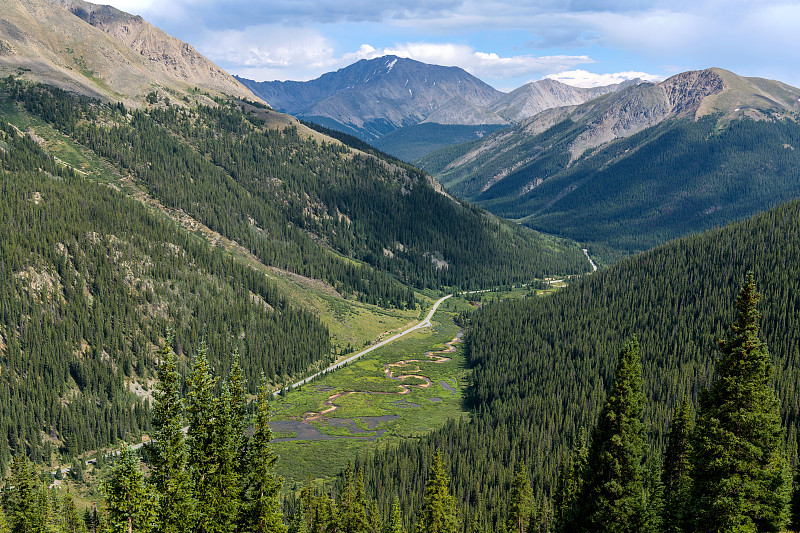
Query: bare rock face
point(535, 97)
point(687, 90)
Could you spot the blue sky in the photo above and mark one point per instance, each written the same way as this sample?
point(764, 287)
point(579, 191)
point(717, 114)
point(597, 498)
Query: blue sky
point(505, 43)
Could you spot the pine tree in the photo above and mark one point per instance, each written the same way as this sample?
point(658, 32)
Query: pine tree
point(260, 506)
point(130, 502)
point(24, 512)
point(308, 504)
point(223, 484)
point(570, 480)
point(654, 506)
point(168, 452)
point(519, 501)
point(4, 528)
point(201, 410)
point(795, 506)
point(353, 504)
point(676, 476)
point(438, 513)
point(394, 524)
point(612, 498)
point(740, 474)
point(374, 518)
point(69, 518)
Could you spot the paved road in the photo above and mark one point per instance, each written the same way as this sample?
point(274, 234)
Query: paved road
point(594, 267)
point(424, 324)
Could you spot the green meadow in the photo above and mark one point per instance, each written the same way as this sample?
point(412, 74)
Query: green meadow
point(355, 408)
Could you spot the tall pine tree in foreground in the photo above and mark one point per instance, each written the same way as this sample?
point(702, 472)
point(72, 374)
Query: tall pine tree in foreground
point(741, 480)
point(202, 461)
point(438, 513)
point(130, 501)
point(168, 451)
point(612, 498)
point(676, 475)
point(261, 511)
point(519, 501)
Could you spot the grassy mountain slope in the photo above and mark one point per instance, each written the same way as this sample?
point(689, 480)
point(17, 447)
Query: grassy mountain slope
point(102, 52)
point(541, 365)
point(637, 167)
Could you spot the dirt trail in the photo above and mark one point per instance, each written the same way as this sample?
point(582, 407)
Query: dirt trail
point(387, 369)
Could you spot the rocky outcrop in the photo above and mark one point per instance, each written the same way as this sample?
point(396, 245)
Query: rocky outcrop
point(686, 91)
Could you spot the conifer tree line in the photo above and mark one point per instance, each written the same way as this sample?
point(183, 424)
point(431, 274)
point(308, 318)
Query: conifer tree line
point(542, 369)
point(214, 478)
point(89, 281)
point(345, 508)
point(729, 473)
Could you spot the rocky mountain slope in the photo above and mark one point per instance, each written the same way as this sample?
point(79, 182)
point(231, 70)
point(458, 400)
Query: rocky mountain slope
point(678, 156)
point(373, 98)
point(535, 97)
point(102, 51)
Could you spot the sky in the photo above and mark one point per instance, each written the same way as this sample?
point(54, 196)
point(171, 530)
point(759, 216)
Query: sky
point(503, 42)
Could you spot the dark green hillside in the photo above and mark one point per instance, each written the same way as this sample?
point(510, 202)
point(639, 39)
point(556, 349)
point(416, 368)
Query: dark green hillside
point(89, 283)
point(281, 193)
point(541, 366)
point(679, 177)
point(412, 143)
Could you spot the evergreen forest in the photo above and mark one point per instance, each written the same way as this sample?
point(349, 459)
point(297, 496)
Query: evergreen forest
point(657, 395)
point(89, 283)
point(541, 368)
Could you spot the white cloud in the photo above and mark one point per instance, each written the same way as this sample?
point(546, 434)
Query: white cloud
point(582, 78)
point(751, 37)
point(270, 51)
point(480, 64)
point(277, 52)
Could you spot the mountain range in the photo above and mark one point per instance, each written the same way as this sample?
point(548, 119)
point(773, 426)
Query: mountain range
point(634, 168)
point(149, 199)
point(131, 173)
point(372, 98)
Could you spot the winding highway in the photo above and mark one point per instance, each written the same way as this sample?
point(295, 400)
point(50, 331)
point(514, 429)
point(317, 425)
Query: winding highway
point(423, 324)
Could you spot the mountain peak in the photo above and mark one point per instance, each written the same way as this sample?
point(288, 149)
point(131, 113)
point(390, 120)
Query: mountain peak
point(373, 97)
